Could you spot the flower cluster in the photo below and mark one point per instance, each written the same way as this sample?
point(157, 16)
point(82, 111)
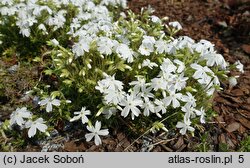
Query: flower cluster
point(24, 118)
point(118, 64)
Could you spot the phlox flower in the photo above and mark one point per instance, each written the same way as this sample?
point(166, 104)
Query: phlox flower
point(201, 73)
point(131, 103)
point(149, 64)
point(184, 126)
point(180, 82)
point(175, 25)
point(105, 45)
point(147, 45)
point(181, 66)
point(49, 102)
point(109, 83)
point(141, 88)
point(202, 114)
point(34, 125)
point(167, 66)
point(125, 52)
point(147, 107)
point(109, 111)
point(172, 98)
point(215, 59)
point(19, 115)
point(160, 106)
point(155, 19)
point(81, 115)
point(239, 66)
point(185, 42)
point(81, 47)
point(189, 112)
point(189, 99)
point(232, 81)
point(113, 96)
point(95, 132)
point(161, 46)
point(159, 83)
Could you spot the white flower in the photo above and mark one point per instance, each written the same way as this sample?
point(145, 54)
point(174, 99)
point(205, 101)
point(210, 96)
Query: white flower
point(189, 112)
point(125, 52)
point(175, 25)
point(184, 127)
point(148, 107)
point(239, 66)
point(19, 115)
point(181, 66)
point(201, 73)
point(113, 96)
point(180, 82)
point(232, 81)
point(149, 64)
point(105, 45)
point(109, 83)
point(34, 125)
point(155, 19)
point(189, 99)
point(161, 46)
point(167, 67)
point(95, 132)
point(109, 111)
point(147, 45)
point(81, 47)
point(81, 115)
point(215, 59)
point(141, 88)
point(172, 98)
point(55, 42)
point(185, 42)
point(49, 102)
point(131, 103)
point(202, 114)
point(160, 106)
point(159, 83)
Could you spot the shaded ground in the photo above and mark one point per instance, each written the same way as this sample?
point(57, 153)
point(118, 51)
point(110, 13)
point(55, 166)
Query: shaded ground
point(227, 25)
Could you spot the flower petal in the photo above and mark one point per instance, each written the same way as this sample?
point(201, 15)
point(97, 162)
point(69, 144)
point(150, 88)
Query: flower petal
point(98, 140)
point(32, 131)
point(89, 136)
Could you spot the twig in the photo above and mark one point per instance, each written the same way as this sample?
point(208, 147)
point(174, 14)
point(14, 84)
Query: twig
point(146, 132)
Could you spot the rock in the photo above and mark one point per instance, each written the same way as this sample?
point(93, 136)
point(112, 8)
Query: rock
point(13, 69)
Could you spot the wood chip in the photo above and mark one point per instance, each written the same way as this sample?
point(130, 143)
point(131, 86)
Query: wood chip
point(233, 127)
point(179, 143)
point(166, 148)
point(246, 48)
point(71, 146)
point(243, 121)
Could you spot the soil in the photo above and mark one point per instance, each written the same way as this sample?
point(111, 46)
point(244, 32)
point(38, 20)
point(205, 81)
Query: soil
point(225, 23)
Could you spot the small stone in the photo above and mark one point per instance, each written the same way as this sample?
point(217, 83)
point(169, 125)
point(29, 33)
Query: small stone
point(13, 69)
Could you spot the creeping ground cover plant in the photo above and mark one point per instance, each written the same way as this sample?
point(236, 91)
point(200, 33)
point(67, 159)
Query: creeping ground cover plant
point(104, 64)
